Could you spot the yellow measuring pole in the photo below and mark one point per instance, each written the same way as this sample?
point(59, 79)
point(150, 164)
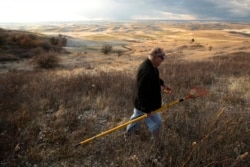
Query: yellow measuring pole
point(164, 107)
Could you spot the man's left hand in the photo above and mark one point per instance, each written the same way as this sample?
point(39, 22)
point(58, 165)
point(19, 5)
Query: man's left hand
point(167, 89)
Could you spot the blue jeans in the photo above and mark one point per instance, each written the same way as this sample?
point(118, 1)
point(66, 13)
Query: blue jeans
point(153, 122)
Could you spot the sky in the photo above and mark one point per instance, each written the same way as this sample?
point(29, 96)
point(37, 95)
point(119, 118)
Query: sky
point(88, 10)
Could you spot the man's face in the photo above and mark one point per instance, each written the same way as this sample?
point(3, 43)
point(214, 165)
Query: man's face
point(158, 60)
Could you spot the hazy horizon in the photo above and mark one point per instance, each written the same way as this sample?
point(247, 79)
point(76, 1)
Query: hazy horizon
point(113, 21)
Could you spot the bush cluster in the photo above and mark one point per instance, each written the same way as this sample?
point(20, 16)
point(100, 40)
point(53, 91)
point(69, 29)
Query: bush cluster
point(106, 49)
point(21, 44)
point(47, 60)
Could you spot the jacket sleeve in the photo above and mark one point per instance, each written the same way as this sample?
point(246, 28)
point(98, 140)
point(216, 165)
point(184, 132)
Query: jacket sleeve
point(161, 82)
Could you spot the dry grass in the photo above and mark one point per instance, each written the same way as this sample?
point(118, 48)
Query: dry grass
point(43, 115)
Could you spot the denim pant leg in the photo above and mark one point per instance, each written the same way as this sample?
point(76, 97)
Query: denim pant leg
point(154, 122)
point(132, 127)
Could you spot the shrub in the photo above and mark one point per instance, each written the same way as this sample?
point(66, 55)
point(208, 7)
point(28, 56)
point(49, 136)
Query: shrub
point(2, 41)
point(54, 41)
point(45, 45)
point(26, 41)
point(106, 49)
point(47, 60)
point(210, 48)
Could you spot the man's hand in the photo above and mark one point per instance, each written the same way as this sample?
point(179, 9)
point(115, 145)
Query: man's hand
point(167, 89)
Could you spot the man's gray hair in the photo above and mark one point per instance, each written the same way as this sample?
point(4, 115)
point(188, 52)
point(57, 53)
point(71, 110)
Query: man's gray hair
point(157, 52)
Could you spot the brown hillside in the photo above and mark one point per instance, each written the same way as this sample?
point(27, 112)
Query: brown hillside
point(45, 113)
point(17, 45)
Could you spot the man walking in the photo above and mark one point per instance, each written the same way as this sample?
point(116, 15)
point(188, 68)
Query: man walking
point(148, 93)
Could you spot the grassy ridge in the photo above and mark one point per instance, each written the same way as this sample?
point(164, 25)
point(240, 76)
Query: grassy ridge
point(17, 45)
point(43, 115)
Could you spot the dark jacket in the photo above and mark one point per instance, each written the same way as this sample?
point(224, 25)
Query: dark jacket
point(148, 88)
